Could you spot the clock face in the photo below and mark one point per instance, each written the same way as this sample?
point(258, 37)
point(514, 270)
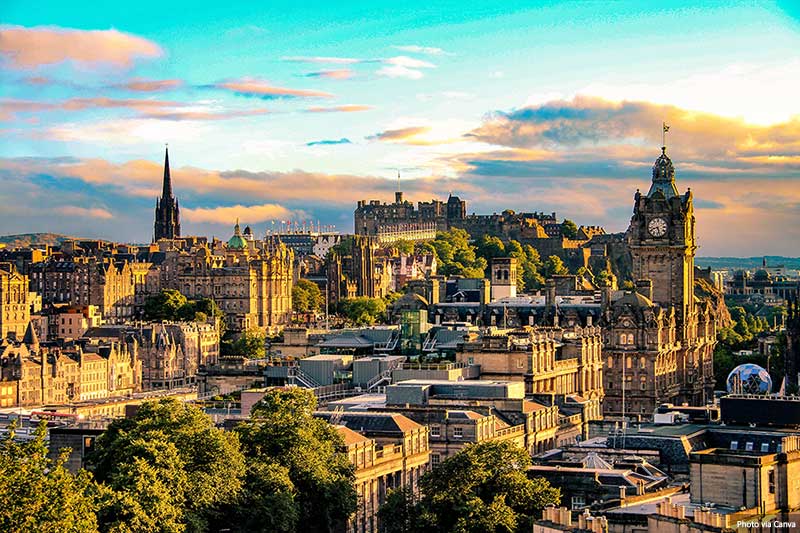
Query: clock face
point(657, 227)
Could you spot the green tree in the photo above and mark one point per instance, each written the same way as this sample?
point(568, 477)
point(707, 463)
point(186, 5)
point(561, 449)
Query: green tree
point(490, 247)
point(483, 488)
point(306, 296)
point(554, 266)
point(38, 493)
point(363, 310)
point(169, 462)
point(251, 344)
point(602, 278)
point(404, 247)
point(283, 431)
point(569, 229)
point(164, 305)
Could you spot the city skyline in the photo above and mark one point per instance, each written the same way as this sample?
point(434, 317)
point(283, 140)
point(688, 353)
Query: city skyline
point(296, 114)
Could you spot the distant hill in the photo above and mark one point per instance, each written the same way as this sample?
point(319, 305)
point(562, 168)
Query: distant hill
point(28, 239)
point(747, 263)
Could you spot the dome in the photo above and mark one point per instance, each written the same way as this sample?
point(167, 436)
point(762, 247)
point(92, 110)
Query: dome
point(237, 242)
point(749, 379)
point(663, 176)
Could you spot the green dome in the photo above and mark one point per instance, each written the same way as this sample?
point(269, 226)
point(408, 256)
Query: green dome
point(237, 242)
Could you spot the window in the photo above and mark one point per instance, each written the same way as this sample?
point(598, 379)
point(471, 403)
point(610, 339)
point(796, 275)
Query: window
point(435, 431)
point(748, 446)
point(578, 503)
point(771, 480)
point(610, 362)
point(642, 362)
point(623, 339)
point(629, 362)
point(458, 432)
point(435, 458)
point(764, 447)
point(630, 338)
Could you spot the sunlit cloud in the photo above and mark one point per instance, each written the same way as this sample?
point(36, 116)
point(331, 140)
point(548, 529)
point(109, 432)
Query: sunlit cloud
point(346, 108)
point(339, 74)
point(247, 213)
point(84, 212)
point(24, 48)
point(400, 134)
point(254, 87)
point(148, 86)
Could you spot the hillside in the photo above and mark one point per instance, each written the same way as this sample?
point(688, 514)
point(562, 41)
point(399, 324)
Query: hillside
point(28, 239)
point(747, 263)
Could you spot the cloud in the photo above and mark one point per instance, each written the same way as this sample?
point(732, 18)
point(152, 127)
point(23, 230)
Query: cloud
point(147, 109)
point(392, 67)
point(256, 88)
point(326, 142)
point(346, 108)
point(323, 60)
point(148, 86)
point(25, 48)
point(249, 213)
point(427, 50)
point(400, 134)
point(91, 213)
point(339, 74)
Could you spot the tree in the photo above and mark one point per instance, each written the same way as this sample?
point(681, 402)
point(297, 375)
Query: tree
point(569, 229)
point(554, 266)
point(38, 493)
point(490, 247)
point(251, 344)
point(404, 247)
point(306, 296)
point(164, 305)
point(283, 431)
point(363, 310)
point(483, 488)
point(170, 469)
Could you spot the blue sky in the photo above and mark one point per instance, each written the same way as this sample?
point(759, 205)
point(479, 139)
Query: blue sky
point(295, 111)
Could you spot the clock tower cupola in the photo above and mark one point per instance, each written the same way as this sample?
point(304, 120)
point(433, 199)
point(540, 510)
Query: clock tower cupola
point(661, 239)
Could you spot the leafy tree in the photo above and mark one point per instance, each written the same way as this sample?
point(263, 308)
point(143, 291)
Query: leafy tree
point(38, 493)
point(283, 431)
point(363, 310)
point(483, 488)
point(306, 296)
point(602, 278)
point(404, 247)
point(164, 305)
point(554, 266)
point(514, 249)
point(569, 229)
point(170, 469)
point(490, 247)
point(251, 344)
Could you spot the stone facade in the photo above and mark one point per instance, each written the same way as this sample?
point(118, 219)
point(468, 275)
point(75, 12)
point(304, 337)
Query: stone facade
point(659, 338)
point(15, 305)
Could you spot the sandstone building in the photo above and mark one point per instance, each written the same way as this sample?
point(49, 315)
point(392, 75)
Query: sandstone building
point(15, 306)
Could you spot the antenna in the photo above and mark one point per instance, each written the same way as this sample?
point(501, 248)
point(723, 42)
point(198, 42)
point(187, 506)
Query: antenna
point(398, 180)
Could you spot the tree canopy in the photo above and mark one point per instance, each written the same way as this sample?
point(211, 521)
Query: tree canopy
point(38, 493)
point(251, 344)
point(170, 304)
point(169, 468)
point(483, 488)
point(300, 457)
point(569, 229)
point(363, 310)
point(306, 296)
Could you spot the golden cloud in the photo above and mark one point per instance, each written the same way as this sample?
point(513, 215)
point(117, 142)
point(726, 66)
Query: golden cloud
point(24, 48)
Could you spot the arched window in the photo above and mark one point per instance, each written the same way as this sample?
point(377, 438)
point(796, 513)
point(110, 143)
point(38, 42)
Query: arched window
point(629, 362)
point(610, 362)
point(642, 362)
point(630, 338)
point(623, 339)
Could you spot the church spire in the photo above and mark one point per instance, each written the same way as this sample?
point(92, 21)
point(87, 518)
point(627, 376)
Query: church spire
point(167, 190)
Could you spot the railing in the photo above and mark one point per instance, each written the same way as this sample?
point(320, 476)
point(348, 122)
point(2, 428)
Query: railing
point(386, 375)
point(513, 430)
point(296, 374)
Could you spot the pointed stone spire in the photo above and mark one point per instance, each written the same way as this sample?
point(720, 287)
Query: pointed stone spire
point(31, 338)
point(167, 188)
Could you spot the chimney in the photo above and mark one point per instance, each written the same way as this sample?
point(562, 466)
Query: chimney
point(398, 197)
point(645, 288)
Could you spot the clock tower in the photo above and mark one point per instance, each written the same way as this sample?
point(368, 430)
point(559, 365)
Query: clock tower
point(661, 238)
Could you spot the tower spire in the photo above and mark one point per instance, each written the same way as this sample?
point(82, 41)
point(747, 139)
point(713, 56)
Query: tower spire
point(167, 189)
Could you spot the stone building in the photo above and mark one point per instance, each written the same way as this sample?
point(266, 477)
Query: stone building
point(659, 340)
point(792, 356)
point(249, 279)
point(388, 451)
point(83, 281)
point(167, 218)
point(50, 375)
point(561, 367)
point(402, 220)
point(15, 305)
point(358, 270)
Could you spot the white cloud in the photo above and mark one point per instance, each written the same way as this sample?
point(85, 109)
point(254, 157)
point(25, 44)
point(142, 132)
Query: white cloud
point(397, 71)
point(427, 50)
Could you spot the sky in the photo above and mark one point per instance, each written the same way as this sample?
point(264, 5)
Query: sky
point(278, 111)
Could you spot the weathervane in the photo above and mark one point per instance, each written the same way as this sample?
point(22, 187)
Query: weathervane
point(664, 130)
